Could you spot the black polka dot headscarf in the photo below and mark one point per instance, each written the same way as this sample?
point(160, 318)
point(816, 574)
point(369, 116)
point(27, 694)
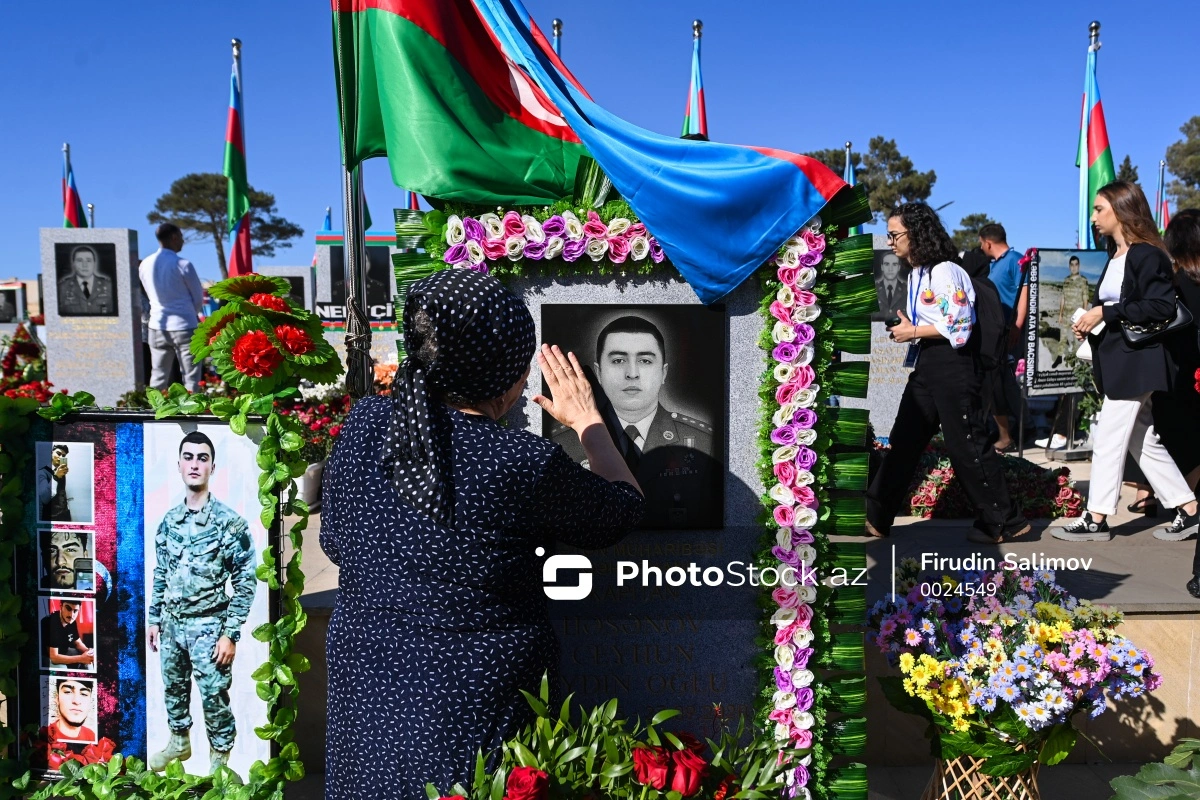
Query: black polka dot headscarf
point(468, 336)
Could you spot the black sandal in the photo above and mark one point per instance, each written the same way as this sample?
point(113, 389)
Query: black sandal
point(1148, 506)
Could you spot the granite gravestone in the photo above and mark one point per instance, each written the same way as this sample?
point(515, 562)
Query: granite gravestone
point(662, 646)
point(92, 305)
point(299, 278)
point(888, 373)
point(329, 302)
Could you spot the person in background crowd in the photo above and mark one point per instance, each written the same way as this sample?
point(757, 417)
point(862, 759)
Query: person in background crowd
point(945, 388)
point(1006, 274)
point(1176, 412)
point(173, 289)
point(1136, 287)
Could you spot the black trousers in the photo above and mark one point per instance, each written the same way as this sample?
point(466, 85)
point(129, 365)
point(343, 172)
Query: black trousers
point(944, 391)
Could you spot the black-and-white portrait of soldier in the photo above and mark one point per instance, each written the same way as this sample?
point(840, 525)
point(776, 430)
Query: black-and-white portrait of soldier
point(891, 284)
point(659, 373)
point(85, 276)
point(10, 311)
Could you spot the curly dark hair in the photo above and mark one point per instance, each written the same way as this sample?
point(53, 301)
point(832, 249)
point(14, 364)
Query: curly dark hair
point(1183, 242)
point(928, 242)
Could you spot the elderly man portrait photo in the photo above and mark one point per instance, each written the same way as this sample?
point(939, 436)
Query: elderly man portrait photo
point(675, 455)
point(202, 590)
point(84, 290)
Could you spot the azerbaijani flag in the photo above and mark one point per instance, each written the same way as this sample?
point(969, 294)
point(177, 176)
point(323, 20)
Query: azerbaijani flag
point(469, 102)
point(695, 120)
point(73, 216)
point(1166, 215)
point(848, 177)
point(413, 203)
point(1094, 156)
point(239, 187)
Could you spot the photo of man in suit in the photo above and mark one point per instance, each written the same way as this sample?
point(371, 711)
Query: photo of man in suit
point(673, 454)
point(85, 291)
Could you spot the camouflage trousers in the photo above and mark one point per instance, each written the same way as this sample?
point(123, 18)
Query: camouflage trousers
point(188, 647)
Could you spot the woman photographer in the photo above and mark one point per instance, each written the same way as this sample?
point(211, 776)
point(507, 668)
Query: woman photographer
point(1136, 289)
point(945, 388)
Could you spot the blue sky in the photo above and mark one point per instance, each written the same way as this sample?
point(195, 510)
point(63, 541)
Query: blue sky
point(987, 95)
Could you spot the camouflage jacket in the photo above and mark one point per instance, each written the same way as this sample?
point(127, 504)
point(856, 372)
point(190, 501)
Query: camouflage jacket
point(197, 554)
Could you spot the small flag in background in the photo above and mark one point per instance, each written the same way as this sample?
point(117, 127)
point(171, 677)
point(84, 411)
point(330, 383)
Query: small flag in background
point(848, 177)
point(413, 203)
point(1094, 155)
point(695, 120)
point(73, 216)
point(1166, 214)
point(235, 171)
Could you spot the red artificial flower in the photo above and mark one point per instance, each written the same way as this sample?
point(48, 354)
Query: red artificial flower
point(254, 355)
point(100, 752)
point(527, 783)
point(334, 430)
point(651, 766)
point(689, 770)
point(295, 340)
point(727, 785)
point(269, 301)
point(216, 331)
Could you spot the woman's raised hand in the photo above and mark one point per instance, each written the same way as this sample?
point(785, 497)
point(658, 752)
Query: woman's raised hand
point(572, 402)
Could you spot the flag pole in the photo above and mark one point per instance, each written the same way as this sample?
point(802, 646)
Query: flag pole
point(1158, 196)
point(66, 149)
point(91, 215)
point(557, 26)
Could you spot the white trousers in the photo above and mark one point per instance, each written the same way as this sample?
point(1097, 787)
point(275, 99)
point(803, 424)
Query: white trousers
point(1127, 425)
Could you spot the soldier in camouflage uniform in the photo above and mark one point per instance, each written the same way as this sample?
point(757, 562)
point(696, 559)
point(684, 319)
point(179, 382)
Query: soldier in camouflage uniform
point(673, 455)
point(201, 546)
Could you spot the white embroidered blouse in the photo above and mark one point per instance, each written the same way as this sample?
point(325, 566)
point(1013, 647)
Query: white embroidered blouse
point(943, 297)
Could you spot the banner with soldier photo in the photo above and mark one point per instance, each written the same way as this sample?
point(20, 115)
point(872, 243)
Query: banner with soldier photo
point(1060, 282)
point(139, 592)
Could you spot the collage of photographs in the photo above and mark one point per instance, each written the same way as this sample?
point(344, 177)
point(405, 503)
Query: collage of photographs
point(71, 579)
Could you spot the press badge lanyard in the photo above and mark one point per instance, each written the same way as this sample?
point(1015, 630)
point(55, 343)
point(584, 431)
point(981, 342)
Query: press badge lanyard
point(914, 347)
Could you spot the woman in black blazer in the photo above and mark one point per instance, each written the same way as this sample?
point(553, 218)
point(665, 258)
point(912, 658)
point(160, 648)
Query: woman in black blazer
point(1136, 287)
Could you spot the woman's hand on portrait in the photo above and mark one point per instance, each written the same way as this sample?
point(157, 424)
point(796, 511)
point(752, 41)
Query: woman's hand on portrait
point(1089, 320)
point(571, 402)
point(905, 331)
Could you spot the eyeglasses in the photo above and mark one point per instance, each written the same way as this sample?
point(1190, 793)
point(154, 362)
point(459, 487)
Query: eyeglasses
point(894, 235)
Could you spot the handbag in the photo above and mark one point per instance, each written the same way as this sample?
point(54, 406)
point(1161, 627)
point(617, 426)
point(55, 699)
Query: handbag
point(1140, 335)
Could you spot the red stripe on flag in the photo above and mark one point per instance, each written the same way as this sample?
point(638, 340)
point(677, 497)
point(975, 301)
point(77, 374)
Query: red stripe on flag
point(821, 177)
point(548, 51)
point(703, 116)
point(1097, 133)
point(456, 26)
point(233, 131)
point(240, 262)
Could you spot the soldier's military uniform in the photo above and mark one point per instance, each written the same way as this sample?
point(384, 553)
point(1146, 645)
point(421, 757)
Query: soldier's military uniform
point(676, 467)
point(197, 553)
point(100, 299)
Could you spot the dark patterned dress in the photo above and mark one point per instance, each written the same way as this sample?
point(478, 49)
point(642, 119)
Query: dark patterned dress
point(436, 629)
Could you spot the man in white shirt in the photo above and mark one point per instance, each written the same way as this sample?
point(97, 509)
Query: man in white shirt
point(173, 289)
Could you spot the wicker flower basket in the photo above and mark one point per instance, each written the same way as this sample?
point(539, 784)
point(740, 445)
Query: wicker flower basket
point(961, 779)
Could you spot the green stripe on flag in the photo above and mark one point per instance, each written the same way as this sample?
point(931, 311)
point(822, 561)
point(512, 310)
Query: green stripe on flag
point(239, 195)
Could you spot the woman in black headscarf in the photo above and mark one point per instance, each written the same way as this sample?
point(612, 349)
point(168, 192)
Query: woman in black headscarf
point(439, 518)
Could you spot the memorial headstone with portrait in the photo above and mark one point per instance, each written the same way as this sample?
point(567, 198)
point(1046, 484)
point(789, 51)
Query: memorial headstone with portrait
point(13, 308)
point(1060, 283)
point(92, 305)
point(329, 302)
point(301, 281)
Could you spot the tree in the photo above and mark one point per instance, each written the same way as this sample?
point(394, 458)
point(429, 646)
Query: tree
point(1183, 161)
point(197, 204)
point(1127, 171)
point(966, 236)
point(888, 175)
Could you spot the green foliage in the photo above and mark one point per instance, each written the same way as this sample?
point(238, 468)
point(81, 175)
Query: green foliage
point(198, 204)
point(1127, 171)
point(1183, 161)
point(889, 175)
point(966, 235)
point(1178, 778)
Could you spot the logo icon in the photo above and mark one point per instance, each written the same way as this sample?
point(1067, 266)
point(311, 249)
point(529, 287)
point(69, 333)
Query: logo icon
point(565, 562)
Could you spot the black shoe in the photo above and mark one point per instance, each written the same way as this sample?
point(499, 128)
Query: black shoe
point(1083, 529)
point(1181, 528)
point(1193, 586)
point(1147, 505)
